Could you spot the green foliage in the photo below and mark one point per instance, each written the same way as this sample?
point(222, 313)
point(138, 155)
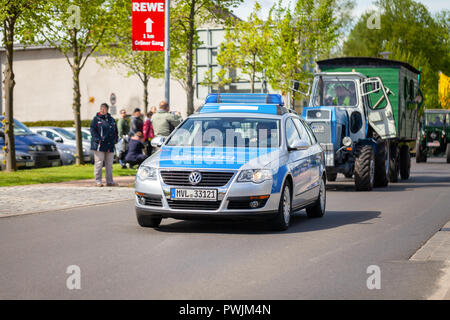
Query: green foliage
point(413, 35)
point(57, 123)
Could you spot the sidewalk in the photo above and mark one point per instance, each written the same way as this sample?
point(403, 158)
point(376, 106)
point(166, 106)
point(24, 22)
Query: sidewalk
point(40, 198)
point(438, 249)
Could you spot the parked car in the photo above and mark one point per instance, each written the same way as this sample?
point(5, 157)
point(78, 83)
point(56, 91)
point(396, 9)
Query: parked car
point(85, 133)
point(43, 151)
point(23, 159)
point(241, 156)
point(63, 137)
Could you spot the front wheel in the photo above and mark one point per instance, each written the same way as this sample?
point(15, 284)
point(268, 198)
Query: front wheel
point(365, 169)
point(331, 176)
point(283, 217)
point(405, 162)
point(149, 222)
point(382, 165)
point(318, 209)
point(421, 154)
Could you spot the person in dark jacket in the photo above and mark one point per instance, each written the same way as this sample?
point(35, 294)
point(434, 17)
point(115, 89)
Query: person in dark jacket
point(104, 137)
point(135, 155)
point(136, 122)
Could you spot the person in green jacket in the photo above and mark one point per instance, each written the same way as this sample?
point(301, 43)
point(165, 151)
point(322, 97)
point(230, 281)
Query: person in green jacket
point(164, 122)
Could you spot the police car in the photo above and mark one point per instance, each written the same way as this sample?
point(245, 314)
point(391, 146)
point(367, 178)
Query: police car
point(240, 156)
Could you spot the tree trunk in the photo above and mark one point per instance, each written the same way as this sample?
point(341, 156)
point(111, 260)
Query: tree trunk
point(145, 83)
point(10, 149)
point(79, 156)
point(189, 60)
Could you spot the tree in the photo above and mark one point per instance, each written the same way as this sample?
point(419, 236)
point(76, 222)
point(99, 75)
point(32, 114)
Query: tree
point(76, 28)
point(13, 13)
point(413, 35)
point(144, 64)
point(246, 46)
point(185, 17)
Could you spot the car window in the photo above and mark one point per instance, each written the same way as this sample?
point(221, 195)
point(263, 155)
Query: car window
point(310, 132)
point(304, 136)
point(47, 134)
point(292, 136)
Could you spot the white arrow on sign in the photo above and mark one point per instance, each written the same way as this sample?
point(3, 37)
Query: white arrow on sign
point(148, 24)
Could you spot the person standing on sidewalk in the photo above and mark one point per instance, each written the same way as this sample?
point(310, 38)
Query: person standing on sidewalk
point(164, 122)
point(104, 137)
point(148, 133)
point(136, 122)
point(124, 129)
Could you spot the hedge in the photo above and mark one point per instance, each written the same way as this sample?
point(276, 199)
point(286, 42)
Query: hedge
point(56, 123)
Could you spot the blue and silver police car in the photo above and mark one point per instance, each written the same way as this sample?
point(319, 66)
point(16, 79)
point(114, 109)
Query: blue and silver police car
point(240, 156)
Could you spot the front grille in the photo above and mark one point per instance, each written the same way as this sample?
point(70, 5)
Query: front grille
point(153, 201)
point(209, 178)
point(56, 157)
point(322, 131)
point(193, 205)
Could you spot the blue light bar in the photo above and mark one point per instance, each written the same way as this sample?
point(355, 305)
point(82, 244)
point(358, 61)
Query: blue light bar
point(238, 108)
point(252, 98)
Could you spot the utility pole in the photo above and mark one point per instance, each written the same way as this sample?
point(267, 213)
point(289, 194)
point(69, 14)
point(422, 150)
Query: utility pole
point(167, 53)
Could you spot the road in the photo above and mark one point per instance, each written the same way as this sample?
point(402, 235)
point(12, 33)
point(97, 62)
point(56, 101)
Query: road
point(323, 258)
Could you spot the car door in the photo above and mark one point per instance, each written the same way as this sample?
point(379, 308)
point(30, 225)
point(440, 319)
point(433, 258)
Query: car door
point(379, 111)
point(317, 160)
point(297, 163)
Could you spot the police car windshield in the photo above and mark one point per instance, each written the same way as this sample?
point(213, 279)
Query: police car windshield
point(336, 92)
point(228, 132)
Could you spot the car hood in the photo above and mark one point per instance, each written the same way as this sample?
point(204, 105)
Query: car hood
point(23, 141)
point(212, 157)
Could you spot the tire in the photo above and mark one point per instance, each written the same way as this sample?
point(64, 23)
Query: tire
point(148, 221)
point(394, 166)
point(382, 165)
point(331, 176)
point(421, 154)
point(283, 217)
point(318, 209)
point(447, 152)
point(365, 169)
point(348, 175)
point(405, 162)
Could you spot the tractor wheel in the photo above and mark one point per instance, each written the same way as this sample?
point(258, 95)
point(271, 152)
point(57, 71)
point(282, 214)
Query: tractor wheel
point(331, 176)
point(405, 162)
point(382, 164)
point(421, 154)
point(394, 168)
point(348, 175)
point(447, 152)
point(365, 169)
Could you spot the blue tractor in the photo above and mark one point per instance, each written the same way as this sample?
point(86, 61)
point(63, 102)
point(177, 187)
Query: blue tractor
point(366, 128)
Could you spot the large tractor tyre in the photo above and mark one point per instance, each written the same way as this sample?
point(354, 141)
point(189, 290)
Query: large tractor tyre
point(331, 176)
point(348, 175)
point(317, 210)
point(405, 162)
point(365, 169)
point(421, 154)
point(447, 152)
point(382, 165)
point(149, 222)
point(394, 164)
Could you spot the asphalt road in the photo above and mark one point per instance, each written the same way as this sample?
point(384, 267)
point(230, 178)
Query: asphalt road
point(323, 258)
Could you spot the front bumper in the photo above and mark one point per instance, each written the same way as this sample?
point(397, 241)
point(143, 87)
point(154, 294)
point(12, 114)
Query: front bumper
point(153, 199)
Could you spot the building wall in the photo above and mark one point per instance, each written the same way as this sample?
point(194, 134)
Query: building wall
point(43, 88)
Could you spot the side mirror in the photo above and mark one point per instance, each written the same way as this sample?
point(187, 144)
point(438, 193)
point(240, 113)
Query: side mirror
point(58, 140)
point(300, 145)
point(355, 122)
point(158, 141)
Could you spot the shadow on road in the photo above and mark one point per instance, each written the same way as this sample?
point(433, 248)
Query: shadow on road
point(299, 223)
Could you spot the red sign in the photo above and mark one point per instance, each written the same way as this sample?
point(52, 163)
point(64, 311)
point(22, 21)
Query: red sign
point(148, 25)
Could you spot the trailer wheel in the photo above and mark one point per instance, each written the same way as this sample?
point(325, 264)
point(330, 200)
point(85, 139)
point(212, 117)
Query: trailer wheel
point(394, 168)
point(405, 162)
point(421, 154)
point(447, 152)
point(331, 176)
point(382, 164)
point(365, 169)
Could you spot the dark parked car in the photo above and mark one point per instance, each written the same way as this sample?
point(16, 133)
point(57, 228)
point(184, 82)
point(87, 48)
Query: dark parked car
point(42, 150)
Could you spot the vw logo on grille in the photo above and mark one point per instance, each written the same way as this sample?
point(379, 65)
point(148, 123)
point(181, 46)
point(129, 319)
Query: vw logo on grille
point(195, 177)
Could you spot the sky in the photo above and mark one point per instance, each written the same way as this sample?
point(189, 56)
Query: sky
point(361, 5)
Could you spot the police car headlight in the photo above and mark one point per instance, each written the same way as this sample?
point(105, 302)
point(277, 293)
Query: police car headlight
point(255, 175)
point(146, 173)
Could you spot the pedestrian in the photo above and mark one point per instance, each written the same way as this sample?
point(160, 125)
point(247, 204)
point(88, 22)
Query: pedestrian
point(136, 122)
point(153, 109)
point(148, 133)
point(124, 129)
point(104, 137)
point(135, 155)
point(164, 122)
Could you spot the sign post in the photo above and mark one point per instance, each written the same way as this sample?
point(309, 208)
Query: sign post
point(151, 31)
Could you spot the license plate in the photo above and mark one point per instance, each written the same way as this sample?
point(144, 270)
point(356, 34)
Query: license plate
point(193, 194)
point(55, 163)
point(87, 158)
point(29, 163)
point(318, 128)
point(433, 144)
